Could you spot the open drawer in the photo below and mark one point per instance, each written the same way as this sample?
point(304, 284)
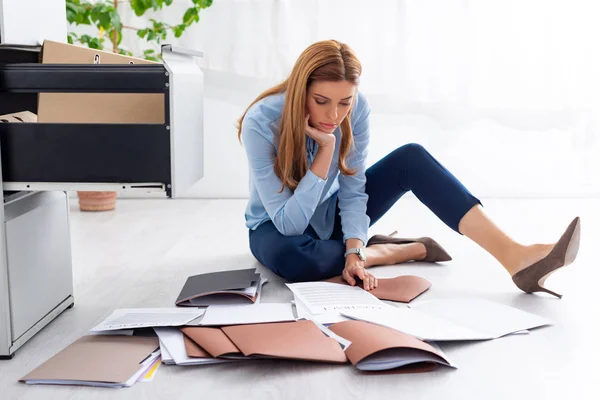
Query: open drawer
point(166, 157)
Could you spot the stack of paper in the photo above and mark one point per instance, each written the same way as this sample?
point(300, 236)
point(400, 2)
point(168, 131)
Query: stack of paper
point(225, 287)
point(453, 319)
point(99, 360)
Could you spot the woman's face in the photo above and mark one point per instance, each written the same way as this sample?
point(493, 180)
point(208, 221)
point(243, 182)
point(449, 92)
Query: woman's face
point(328, 103)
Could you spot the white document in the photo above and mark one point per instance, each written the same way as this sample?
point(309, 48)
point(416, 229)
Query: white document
point(492, 318)
point(166, 357)
point(132, 318)
point(247, 314)
point(328, 318)
point(416, 323)
point(323, 297)
point(172, 340)
point(453, 319)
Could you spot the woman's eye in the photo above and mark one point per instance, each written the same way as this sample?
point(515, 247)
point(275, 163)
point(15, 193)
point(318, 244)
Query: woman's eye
point(345, 104)
point(320, 102)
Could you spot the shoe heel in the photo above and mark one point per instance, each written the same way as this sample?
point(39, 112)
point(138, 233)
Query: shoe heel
point(543, 289)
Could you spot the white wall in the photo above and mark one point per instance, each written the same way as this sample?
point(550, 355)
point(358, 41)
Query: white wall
point(505, 94)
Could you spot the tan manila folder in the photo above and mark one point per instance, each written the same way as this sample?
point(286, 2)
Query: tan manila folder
point(193, 350)
point(140, 108)
point(401, 288)
point(299, 340)
point(212, 340)
point(102, 360)
point(376, 348)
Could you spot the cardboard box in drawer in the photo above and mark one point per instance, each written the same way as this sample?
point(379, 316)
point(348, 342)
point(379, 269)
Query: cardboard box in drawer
point(96, 107)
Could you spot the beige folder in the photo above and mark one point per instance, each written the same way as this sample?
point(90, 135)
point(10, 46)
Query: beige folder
point(401, 288)
point(213, 341)
point(96, 359)
point(193, 350)
point(376, 348)
point(299, 340)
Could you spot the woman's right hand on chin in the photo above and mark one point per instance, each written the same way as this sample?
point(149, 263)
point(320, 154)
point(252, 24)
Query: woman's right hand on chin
point(323, 139)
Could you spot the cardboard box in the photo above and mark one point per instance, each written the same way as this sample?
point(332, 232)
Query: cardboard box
point(23, 116)
point(133, 108)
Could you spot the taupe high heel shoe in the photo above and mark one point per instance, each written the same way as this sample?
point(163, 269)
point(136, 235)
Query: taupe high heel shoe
point(434, 252)
point(531, 279)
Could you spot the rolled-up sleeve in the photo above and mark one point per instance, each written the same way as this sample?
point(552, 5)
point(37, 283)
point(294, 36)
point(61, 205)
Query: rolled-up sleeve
point(289, 211)
point(352, 197)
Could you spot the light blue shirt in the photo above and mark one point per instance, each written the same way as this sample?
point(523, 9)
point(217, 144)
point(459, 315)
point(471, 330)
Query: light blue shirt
point(314, 200)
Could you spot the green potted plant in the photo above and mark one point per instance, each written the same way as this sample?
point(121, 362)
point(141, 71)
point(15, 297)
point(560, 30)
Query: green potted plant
point(104, 16)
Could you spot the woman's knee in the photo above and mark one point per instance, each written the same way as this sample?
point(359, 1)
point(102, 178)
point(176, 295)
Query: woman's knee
point(413, 154)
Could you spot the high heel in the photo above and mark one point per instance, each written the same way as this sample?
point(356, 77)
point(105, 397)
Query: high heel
point(531, 279)
point(434, 252)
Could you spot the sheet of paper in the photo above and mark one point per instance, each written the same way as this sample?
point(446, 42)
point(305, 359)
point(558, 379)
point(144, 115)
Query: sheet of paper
point(247, 314)
point(172, 339)
point(132, 318)
point(322, 297)
point(302, 312)
point(481, 315)
point(416, 323)
point(166, 357)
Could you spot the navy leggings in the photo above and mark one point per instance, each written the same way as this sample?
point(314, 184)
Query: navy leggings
point(410, 167)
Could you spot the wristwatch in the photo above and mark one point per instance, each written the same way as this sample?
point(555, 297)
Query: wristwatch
point(358, 250)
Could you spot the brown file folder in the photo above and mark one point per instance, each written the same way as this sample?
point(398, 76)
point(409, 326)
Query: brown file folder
point(96, 360)
point(376, 348)
point(401, 288)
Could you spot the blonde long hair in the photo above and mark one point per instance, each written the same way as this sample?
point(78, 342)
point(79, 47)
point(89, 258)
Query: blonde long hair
point(327, 60)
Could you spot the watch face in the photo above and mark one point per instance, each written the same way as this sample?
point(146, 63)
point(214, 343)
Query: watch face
point(361, 254)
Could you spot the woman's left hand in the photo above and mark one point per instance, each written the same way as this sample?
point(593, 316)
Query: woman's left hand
point(355, 268)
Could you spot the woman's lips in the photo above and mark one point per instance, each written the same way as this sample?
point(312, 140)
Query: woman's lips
point(328, 126)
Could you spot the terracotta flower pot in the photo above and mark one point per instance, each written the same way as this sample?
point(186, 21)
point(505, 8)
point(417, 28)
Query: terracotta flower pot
point(97, 201)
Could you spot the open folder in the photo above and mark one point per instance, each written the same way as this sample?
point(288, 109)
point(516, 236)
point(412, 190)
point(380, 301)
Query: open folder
point(98, 360)
point(224, 287)
point(377, 348)
point(373, 347)
point(299, 340)
point(401, 288)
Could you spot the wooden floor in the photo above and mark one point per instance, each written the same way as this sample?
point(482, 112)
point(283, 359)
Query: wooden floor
point(141, 254)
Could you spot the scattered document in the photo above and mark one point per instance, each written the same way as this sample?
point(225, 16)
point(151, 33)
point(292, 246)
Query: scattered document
point(132, 318)
point(453, 319)
point(303, 312)
point(218, 315)
point(324, 297)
